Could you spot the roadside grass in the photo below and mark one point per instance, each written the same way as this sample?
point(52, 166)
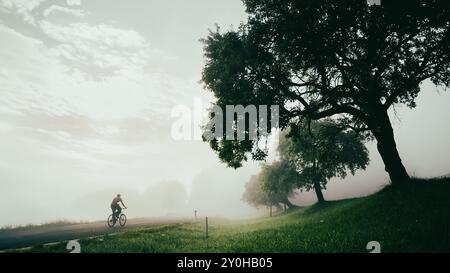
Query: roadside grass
point(44, 225)
point(409, 218)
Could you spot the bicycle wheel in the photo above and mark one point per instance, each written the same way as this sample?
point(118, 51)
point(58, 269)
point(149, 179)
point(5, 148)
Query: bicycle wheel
point(110, 221)
point(122, 220)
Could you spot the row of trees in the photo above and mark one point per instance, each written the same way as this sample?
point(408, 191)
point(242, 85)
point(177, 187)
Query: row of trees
point(309, 155)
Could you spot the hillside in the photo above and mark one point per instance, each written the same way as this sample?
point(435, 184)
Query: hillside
point(411, 218)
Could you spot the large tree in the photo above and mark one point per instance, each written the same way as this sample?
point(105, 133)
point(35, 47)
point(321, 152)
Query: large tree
point(329, 58)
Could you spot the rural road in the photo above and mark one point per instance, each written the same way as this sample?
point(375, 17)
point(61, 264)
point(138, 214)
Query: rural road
point(29, 236)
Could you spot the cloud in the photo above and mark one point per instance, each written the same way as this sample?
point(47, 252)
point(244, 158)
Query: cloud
point(40, 92)
point(54, 8)
point(25, 8)
point(100, 49)
point(107, 35)
point(73, 2)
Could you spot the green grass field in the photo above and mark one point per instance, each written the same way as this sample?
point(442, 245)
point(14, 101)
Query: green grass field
point(411, 218)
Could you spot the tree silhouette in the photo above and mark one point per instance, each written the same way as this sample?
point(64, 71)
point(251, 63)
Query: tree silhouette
point(278, 181)
point(260, 191)
point(309, 156)
point(329, 58)
point(320, 151)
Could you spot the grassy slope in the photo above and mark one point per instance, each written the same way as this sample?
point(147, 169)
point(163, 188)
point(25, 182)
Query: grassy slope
point(413, 218)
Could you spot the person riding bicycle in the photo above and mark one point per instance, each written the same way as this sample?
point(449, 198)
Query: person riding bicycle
point(116, 208)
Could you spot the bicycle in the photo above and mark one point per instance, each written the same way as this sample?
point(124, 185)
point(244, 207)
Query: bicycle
point(122, 219)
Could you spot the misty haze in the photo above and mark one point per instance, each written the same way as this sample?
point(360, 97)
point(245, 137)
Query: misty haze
point(87, 92)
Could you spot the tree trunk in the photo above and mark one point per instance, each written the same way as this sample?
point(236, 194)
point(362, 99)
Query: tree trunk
point(270, 210)
point(318, 190)
point(388, 150)
point(287, 204)
point(317, 187)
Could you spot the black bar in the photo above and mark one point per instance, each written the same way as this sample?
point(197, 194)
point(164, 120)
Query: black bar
point(225, 262)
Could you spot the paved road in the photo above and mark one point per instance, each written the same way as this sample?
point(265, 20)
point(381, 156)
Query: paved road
point(25, 237)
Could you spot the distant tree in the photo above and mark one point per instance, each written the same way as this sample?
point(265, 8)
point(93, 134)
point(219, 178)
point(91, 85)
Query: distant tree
point(321, 150)
point(329, 58)
point(279, 181)
point(256, 195)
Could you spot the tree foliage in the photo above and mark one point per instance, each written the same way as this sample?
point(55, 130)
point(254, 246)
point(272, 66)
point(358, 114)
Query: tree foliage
point(322, 150)
point(254, 193)
point(278, 180)
point(271, 187)
point(310, 154)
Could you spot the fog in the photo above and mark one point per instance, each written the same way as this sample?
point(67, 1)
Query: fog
point(86, 93)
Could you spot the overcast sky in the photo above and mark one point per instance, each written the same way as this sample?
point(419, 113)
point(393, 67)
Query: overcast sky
point(86, 92)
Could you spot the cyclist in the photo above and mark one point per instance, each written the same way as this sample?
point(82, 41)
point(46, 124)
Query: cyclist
point(116, 208)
